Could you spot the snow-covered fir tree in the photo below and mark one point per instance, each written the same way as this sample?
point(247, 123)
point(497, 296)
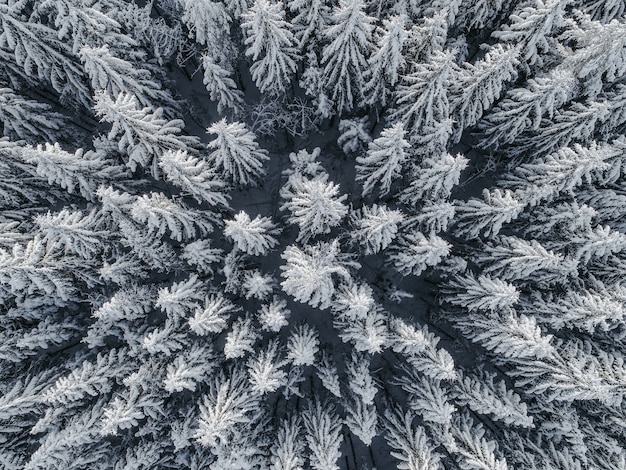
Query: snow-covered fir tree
point(344, 57)
point(400, 243)
point(384, 160)
point(237, 153)
point(270, 44)
point(314, 204)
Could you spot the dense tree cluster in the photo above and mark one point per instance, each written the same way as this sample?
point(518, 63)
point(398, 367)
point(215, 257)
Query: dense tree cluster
point(327, 234)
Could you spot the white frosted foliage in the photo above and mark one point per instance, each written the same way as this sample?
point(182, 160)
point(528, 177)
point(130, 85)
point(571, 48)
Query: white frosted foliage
point(487, 216)
point(213, 316)
point(274, 315)
point(414, 253)
point(253, 236)
point(309, 273)
point(436, 177)
point(384, 160)
point(236, 152)
point(194, 176)
point(257, 285)
point(241, 338)
point(314, 204)
point(270, 42)
point(376, 227)
point(265, 370)
point(302, 346)
point(482, 293)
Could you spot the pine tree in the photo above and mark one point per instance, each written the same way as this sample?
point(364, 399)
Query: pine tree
point(422, 102)
point(207, 21)
point(472, 448)
point(220, 85)
point(162, 40)
point(413, 253)
point(181, 298)
point(274, 315)
point(359, 379)
point(353, 301)
point(600, 57)
point(51, 332)
point(435, 178)
point(361, 419)
point(384, 160)
point(369, 334)
point(265, 370)
point(189, 369)
point(241, 338)
point(427, 397)
point(508, 335)
point(565, 170)
point(482, 293)
point(314, 204)
point(512, 258)
point(532, 27)
point(91, 379)
point(119, 314)
point(311, 20)
point(599, 242)
point(253, 236)
point(483, 395)
point(237, 153)
point(40, 55)
point(588, 310)
point(580, 371)
point(116, 75)
point(288, 449)
point(486, 217)
point(323, 435)
point(153, 252)
point(27, 119)
point(411, 445)
point(327, 373)
point(479, 14)
point(79, 433)
point(161, 215)
point(420, 348)
point(428, 36)
point(257, 285)
point(477, 86)
point(308, 274)
point(344, 58)
point(39, 268)
point(604, 11)
point(432, 217)
point(74, 232)
point(376, 227)
point(523, 108)
point(577, 122)
point(387, 62)
point(270, 44)
point(143, 133)
point(229, 405)
point(80, 171)
point(23, 396)
point(164, 340)
point(200, 255)
point(193, 176)
point(81, 24)
point(212, 317)
point(354, 134)
point(564, 219)
point(303, 345)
